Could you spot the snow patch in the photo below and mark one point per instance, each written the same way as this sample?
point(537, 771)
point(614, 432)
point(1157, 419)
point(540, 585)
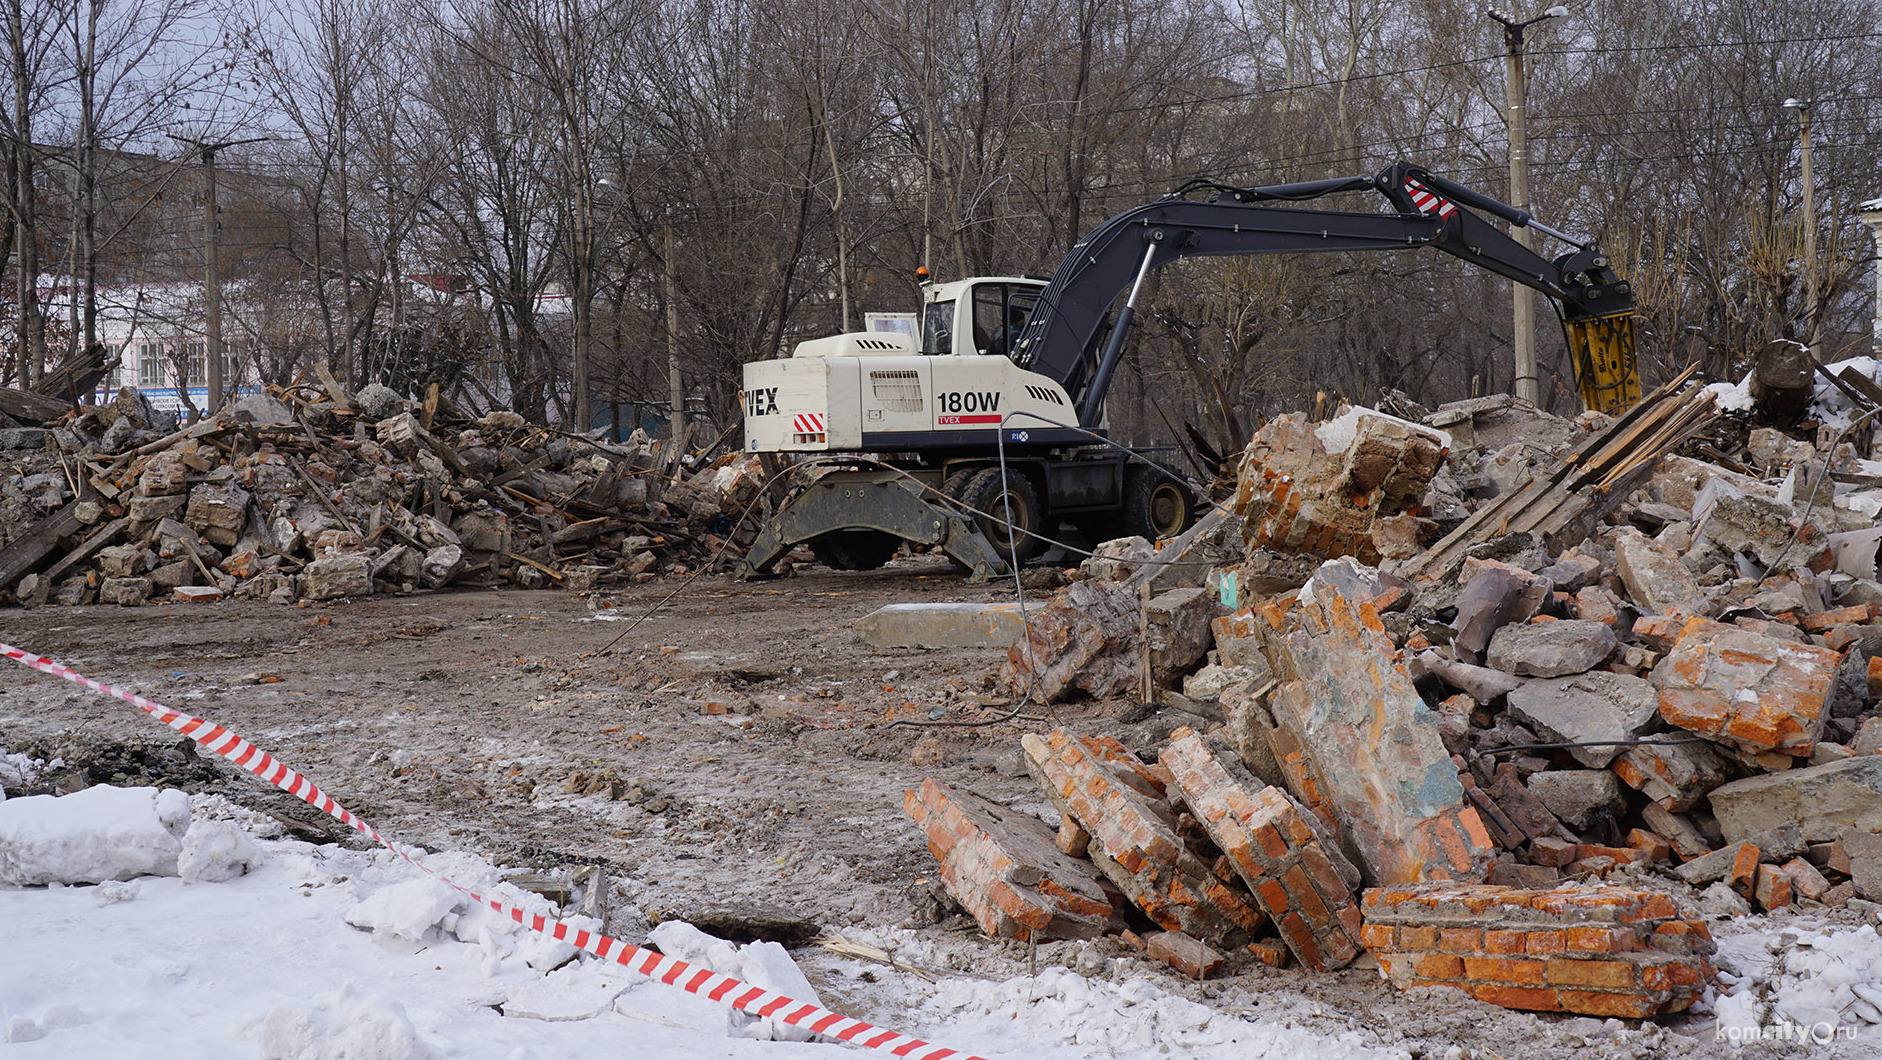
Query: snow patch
point(1338, 434)
point(414, 910)
point(573, 992)
point(100, 833)
point(214, 851)
point(762, 964)
point(17, 771)
point(1810, 979)
point(345, 1025)
point(1135, 1018)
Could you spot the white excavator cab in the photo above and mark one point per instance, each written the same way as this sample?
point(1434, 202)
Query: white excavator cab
point(982, 316)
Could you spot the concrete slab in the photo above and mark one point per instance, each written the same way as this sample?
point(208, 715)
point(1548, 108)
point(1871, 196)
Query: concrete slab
point(943, 625)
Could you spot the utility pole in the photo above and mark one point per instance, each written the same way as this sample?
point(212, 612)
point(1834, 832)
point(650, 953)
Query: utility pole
point(212, 275)
point(1523, 306)
point(1802, 107)
point(676, 411)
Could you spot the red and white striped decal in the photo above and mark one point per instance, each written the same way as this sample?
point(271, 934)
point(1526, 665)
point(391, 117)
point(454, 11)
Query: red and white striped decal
point(754, 1000)
point(1427, 200)
point(807, 423)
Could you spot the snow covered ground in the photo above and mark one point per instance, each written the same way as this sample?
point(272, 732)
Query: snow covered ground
point(323, 953)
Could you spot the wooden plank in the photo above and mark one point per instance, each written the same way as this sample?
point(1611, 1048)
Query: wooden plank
point(332, 386)
point(28, 407)
point(37, 545)
point(100, 538)
point(1862, 383)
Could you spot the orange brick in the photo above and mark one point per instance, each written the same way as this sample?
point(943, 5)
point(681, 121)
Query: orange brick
point(1460, 940)
point(1626, 1006)
point(1743, 875)
point(1610, 975)
point(1504, 970)
point(1439, 966)
point(1417, 938)
point(1838, 616)
point(1376, 936)
point(1544, 942)
point(1270, 952)
point(1598, 940)
point(1521, 997)
point(1875, 677)
point(1273, 843)
point(1502, 941)
point(1773, 887)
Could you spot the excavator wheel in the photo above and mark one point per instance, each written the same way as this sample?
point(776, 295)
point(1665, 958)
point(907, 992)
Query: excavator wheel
point(1155, 505)
point(984, 491)
point(855, 549)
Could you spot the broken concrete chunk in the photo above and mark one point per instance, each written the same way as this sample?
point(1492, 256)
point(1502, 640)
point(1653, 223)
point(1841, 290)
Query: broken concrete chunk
point(1600, 951)
point(1006, 869)
point(440, 565)
point(1588, 707)
point(1653, 573)
point(1550, 649)
point(1495, 596)
point(1360, 739)
point(125, 592)
point(1178, 624)
point(1827, 802)
point(1579, 797)
point(944, 625)
point(1296, 872)
point(218, 512)
point(347, 574)
point(1745, 690)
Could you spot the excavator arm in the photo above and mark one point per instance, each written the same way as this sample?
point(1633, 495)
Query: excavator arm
point(1066, 336)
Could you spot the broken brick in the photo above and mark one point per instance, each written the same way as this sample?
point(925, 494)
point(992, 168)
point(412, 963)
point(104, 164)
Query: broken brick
point(1271, 952)
point(1772, 888)
point(1744, 690)
point(1134, 839)
point(1598, 951)
point(1296, 872)
point(1192, 957)
point(1293, 494)
point(1004, 868)
point(1359, 738)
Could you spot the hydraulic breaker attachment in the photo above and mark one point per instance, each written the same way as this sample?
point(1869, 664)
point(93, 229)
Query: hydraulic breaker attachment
point(1602, 349)
point(884, 501)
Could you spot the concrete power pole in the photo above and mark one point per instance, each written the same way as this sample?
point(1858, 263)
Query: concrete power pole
point(676, 424)
point(212, 273)
point(1523, 306)
point(1802, 108)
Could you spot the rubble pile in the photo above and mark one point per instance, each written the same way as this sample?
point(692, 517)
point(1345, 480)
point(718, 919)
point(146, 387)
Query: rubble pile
point(1517, 717)
point(306, 494)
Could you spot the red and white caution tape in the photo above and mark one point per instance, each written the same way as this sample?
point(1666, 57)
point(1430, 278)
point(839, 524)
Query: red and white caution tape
point(741, 995)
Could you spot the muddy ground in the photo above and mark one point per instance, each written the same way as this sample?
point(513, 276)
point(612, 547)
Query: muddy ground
point(732, 760)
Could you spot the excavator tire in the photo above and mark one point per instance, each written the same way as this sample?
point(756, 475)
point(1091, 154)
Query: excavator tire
point(855, 549)
point(983, 491)
point(1155, 504)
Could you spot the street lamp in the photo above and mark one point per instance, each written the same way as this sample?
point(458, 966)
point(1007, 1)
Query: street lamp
point(1802, 107)
point(1522, 307)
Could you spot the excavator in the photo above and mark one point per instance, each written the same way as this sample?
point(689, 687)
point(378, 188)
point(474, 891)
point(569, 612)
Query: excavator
point(983, 429)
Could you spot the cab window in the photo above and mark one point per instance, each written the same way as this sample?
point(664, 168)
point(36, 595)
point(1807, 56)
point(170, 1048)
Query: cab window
point(937, 328)
point(1000, 312)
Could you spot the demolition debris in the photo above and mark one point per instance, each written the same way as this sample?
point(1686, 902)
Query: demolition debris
point(311, 493)
point(1541, 698)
